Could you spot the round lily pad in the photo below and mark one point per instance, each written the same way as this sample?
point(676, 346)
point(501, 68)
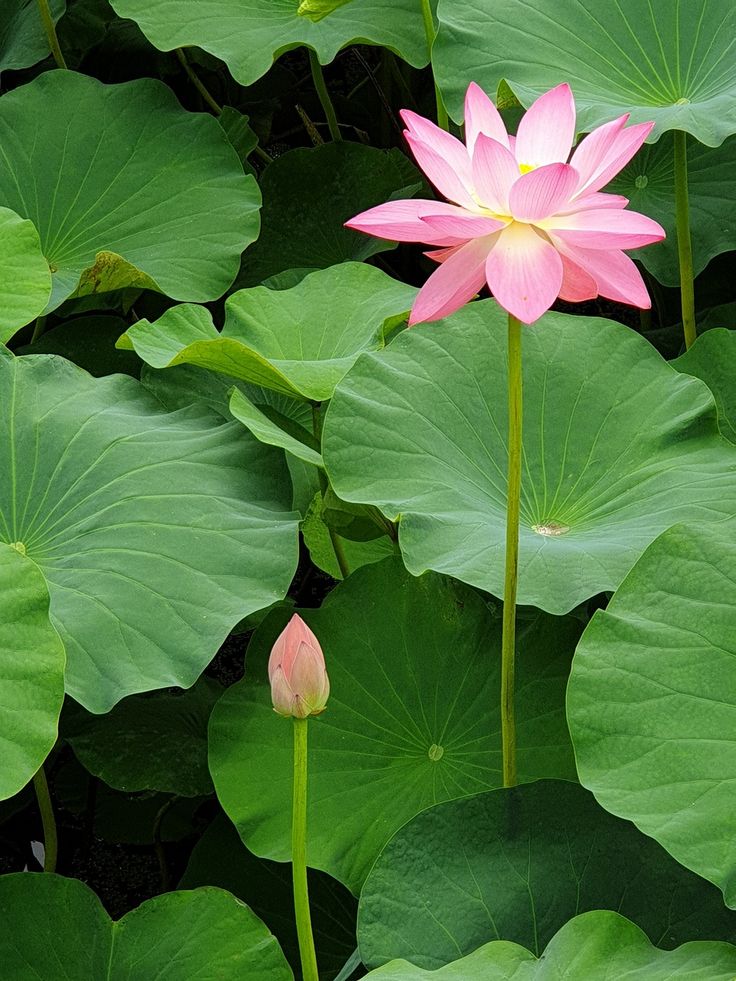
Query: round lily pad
point(670, 61)
point(413, 717)
point(617, 447)
point(652, 700)
point(155, 532)
point(99, 170)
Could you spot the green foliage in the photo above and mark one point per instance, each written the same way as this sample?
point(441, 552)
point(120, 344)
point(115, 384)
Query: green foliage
point(55, 929)
point(594, 945)
point(297, 342)
point(100, 172)
point(25, 278)
point(651, 700)
point(670, 61)
point(31, 669)
point(155, 531)
point(649, 184)
point(22, 39)
point(517, 865)
point(412, 718)
point(275, 26)
point(617, 448)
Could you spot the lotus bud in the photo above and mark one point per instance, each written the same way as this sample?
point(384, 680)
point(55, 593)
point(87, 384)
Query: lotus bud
point(296, 669)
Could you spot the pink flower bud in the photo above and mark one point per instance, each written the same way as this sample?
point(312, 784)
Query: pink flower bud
point(296, 670)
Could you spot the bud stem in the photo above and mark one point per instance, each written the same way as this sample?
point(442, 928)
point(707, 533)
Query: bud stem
point(508, 638)
point(299, 854)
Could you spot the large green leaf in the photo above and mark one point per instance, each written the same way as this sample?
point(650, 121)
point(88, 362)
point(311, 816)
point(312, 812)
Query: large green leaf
point(156, 532)
point(31, 670)
point(55, 929)
point(517, 865)
point(25, 277)
point(257, 408)
point(413, 717)
point(670, 61)
point(22, 36)
point(596, 945)
point(617, 447)
point(220, 859)
point(308, 195)
point(101, 172)
point(275, 26)
point(649, 183)
point(713, 358)
point(652, 700)
point(298, 342)
point(149, 742)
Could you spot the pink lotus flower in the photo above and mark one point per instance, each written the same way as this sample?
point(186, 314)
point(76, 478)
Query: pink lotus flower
point(296, 670)
point(522, 219)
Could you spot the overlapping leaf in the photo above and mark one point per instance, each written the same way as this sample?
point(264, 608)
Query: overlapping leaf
point(413, 717)
point(22, 36)
point(297, 342)
point(149, 742)
point(517, 865)
point(31, 670)
point(55, 929)
point(125, 187)
point(25, 278)
point(275, 26)
point(670, 61)
point(649, 183)
point(617, 447)
point(713, 358)
point(600, 944)
point(652, 700)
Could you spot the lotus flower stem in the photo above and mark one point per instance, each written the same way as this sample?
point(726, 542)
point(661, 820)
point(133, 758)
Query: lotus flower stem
point(508, 637)
point(684, 244)
point(299, 854)
point(324, 96)
point(442, 117)
point(50, 837)
point(198, 83)
point(50, 28)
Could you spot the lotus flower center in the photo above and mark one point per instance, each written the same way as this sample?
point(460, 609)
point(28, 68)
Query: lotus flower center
point(436, 752)
point(525, 168)
point(552, 529)
point(19, 547)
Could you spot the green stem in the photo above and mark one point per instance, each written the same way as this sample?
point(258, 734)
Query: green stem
point(324, 96)
point(299, 854)
point(198, 83)
point(50, 837)
point(684, 245)
point(50, 28)
point(442, 117)
point(508, 640)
